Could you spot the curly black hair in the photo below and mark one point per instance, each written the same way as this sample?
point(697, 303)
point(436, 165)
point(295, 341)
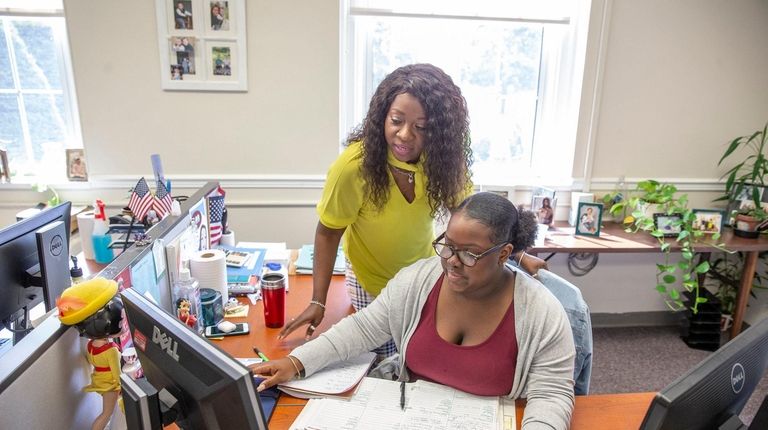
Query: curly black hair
point(507, 223)
point(447, 151)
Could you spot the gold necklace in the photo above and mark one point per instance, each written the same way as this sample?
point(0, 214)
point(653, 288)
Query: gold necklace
point(403, 172)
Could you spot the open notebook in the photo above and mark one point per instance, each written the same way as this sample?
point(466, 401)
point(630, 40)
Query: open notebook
point(376, 404)
point(337, 380)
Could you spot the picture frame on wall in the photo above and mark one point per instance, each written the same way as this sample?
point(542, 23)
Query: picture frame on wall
point(709, 221)
point(202, 45)
point(590, 217)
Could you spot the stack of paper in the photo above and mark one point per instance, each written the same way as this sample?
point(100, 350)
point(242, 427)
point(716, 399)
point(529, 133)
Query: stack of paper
point(338, 380)
point(427, 406)
point(304, 262)
point(277, 253)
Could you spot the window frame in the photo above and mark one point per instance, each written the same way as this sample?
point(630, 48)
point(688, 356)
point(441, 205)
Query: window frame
point(55, 19)
point(563, 65)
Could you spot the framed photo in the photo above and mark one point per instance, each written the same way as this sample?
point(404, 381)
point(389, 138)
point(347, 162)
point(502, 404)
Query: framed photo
point(709, 220)
point(589, 218)
point(668, 224)
point(5, 170)
point(202, 45)
point(76, 167)
point(544, 208)
point(543, 192)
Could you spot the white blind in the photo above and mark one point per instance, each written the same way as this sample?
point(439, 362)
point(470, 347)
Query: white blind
point(539, 11)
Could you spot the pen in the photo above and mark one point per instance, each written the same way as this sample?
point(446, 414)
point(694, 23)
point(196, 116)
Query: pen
point(402, 396)
point(260, 354)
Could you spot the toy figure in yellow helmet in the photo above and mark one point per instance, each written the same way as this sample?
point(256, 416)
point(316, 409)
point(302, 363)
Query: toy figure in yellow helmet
point(94, 309)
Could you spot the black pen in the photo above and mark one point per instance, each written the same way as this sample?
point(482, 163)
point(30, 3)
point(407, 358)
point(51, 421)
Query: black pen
point(402, 396)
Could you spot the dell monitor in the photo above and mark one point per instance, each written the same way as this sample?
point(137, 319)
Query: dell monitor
point(712, 394)
point(202, 385)
point(34, 265)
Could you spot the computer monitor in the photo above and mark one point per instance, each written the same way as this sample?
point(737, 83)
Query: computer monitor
point(211, 389)
point(712, 394)
point(31, 273)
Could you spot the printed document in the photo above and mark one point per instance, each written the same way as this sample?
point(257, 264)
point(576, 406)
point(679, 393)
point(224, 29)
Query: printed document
point(376, 404)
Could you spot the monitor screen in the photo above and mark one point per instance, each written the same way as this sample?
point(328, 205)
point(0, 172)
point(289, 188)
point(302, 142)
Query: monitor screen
point(212, 390)
point(22, 286)
point(716, 389)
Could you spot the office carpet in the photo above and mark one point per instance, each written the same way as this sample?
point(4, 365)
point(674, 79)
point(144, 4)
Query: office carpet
point(637, 359)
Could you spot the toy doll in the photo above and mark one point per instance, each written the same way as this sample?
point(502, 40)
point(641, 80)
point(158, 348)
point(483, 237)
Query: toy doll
point(183, 307)
point(94, 309)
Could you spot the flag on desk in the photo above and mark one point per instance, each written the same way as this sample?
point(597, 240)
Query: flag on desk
point(216, 209)
point(163, 200)
point(141, 200)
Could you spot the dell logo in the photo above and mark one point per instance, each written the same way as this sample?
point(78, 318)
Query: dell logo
point(57, 245)
point(737, 377)
point(165, 342)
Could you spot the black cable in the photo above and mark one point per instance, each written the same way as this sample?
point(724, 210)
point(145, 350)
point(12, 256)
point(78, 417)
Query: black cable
point(581, 263)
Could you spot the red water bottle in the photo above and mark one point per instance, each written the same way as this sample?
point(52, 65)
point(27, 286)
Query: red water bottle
point(273, 293)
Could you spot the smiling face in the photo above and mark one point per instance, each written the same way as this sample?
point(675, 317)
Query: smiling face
point(465, 233)
point(404, 128)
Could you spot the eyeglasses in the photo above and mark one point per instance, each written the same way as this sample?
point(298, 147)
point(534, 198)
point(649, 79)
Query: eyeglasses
point(467, 258)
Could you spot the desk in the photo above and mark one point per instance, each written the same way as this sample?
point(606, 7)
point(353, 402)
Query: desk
point(613, 239)
point(611, 411)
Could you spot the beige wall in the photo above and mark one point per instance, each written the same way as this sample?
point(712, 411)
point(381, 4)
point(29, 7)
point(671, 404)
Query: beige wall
point(667, 84)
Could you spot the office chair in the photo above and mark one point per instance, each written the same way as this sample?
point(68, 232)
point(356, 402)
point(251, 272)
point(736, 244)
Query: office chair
point(581, 324)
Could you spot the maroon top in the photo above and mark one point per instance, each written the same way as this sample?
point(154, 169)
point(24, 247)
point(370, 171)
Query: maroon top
point(486, 369)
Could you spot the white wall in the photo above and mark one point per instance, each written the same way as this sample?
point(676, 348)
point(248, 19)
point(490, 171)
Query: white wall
point(666, 86)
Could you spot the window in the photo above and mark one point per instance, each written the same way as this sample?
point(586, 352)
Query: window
point(38, 114)
point(520, 71)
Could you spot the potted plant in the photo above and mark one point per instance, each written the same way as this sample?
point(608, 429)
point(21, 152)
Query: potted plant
point(745, 182)
point(723, 280)
point(653, 197)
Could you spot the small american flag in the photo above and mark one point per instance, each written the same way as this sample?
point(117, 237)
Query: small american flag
point(141, 200)
point(163, 200)
point(216, 209)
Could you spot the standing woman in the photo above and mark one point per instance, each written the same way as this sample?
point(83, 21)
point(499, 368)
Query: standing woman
point(408, 161)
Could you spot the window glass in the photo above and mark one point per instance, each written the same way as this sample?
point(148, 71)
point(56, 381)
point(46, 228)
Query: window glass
point(521, 75)
point(11, 136)
point(46, 122)
point(6, 78)
point(36, 54)
point(38, 119)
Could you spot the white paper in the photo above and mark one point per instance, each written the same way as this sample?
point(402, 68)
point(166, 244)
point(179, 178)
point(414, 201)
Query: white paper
point(336, 378)
point(377, 405)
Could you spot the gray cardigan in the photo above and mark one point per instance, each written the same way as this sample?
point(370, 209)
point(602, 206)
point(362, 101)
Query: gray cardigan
point(544, 371)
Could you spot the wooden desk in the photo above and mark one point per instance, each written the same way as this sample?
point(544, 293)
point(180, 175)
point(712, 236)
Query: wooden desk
point(613, 411)
point(613, 239)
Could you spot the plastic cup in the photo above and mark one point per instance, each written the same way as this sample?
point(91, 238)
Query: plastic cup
point(273, 294)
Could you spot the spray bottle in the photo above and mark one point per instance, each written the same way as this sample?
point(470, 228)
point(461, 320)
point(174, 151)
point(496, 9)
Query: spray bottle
point(102, 253)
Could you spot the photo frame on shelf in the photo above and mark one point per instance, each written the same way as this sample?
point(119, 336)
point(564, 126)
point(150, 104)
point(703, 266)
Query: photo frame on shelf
point(669, 224)
point(544, 209)
point(709, 221)
point(76, 166)
point(589, 219)
point(202, 45)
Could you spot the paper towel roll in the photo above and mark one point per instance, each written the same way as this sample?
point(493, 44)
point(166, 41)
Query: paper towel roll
point(85, 229)
point(209, 267)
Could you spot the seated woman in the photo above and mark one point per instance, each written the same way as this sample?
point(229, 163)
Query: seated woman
point(505, 335)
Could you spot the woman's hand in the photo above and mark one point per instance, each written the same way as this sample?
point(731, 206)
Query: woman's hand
point(276, 372)
point(312, 315)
